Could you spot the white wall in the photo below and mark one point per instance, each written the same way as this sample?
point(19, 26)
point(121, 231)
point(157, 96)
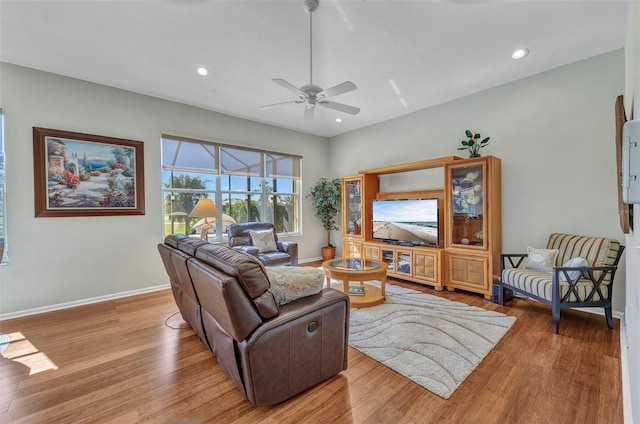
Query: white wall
point(554, 133)
point(632, 310)
point(60, 260)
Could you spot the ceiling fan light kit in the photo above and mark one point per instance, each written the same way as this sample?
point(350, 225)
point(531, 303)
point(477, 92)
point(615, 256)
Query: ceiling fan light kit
point(312, 95)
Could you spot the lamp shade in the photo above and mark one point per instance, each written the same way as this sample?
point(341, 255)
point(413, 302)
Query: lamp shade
point(205, 208)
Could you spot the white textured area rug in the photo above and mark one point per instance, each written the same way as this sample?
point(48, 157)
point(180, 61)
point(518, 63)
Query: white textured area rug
point(432, 341)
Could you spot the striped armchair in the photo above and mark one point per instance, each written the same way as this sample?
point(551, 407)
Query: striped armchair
point(590, 285)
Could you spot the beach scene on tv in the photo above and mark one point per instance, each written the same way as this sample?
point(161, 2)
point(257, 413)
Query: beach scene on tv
point(412, 220)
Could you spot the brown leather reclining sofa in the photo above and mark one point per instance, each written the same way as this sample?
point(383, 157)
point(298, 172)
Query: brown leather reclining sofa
point(286, 252)
point(270, 352)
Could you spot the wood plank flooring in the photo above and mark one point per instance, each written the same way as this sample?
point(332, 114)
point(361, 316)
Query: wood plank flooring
point(118, 362)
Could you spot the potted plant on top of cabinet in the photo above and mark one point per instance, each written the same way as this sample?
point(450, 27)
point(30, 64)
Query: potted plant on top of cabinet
point(326, 201)
point(474, 144)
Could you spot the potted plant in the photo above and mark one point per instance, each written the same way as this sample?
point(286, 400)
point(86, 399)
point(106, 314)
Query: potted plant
point(326, 200)
point(473, 145)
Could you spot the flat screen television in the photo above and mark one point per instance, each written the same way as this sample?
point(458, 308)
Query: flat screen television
point(406, 221)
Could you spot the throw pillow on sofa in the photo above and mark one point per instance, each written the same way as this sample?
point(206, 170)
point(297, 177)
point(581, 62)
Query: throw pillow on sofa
point(541, 259)
point(573, 262)
point(291, 283)
point(263, 240)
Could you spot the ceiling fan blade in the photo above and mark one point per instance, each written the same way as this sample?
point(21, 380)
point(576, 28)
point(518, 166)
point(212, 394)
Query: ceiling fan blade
point(281, 103)
point(288, 86)
point(308, 112)
point(340, 107)
point(345, 87)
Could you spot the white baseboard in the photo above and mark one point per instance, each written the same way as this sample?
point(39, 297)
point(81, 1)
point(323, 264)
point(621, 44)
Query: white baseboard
point(594, 310)
point(81, 302)
point(600, 311)
point(626, 382)
point(304, 261)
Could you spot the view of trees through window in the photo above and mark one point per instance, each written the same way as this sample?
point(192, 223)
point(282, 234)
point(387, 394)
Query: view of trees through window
point(245, 184)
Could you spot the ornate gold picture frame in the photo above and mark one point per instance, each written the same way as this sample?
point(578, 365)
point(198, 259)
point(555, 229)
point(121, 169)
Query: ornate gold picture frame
point(79, 174)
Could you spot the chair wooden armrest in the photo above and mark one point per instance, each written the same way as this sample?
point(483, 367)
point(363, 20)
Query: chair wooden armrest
point(511, 257)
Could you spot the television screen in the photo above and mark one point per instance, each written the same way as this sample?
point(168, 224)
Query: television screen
point(412, 221)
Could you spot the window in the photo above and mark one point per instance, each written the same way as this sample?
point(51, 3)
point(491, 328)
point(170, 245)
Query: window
point(245, 184)
point(3, 211)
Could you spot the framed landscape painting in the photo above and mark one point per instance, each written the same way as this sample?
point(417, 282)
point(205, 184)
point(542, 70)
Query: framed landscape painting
point(86, 175)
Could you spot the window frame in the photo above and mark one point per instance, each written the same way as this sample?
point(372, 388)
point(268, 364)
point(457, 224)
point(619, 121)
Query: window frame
point(220, 195)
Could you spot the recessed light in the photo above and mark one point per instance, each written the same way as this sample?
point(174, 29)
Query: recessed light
point(203, 71)
point(520, 53)
point(338, 119)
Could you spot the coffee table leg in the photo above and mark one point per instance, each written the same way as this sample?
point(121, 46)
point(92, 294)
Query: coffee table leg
point(346, 284)
point(383, 282)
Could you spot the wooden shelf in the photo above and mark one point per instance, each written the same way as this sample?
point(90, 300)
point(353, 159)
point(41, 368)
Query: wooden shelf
point(372, 296)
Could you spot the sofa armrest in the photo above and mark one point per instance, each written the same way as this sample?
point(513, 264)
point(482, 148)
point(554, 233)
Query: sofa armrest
point(597, 275)
point(514, 259)
point(252, 250)
point(290, 248)
point(305, 344)
point(301, 307)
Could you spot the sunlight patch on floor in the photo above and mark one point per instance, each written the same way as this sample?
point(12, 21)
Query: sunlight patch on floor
point(24, 352)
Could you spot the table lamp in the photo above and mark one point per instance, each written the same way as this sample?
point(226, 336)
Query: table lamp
point(205, 208)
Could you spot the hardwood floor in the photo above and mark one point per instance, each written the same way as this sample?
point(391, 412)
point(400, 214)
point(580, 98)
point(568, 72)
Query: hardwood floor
point(117, 362)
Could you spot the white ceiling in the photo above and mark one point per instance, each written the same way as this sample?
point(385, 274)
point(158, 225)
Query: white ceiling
point(402, 55)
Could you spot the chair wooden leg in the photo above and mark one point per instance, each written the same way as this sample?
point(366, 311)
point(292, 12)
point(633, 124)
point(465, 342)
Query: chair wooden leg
point(609, 316)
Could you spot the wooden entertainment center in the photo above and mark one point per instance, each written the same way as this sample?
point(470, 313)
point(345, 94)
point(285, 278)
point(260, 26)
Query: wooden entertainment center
point(470, 229)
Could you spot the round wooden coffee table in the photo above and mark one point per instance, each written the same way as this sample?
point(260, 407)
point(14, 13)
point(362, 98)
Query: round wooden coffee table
point(360, 270)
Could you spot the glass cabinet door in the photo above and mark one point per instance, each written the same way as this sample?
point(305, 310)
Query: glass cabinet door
point(387, 258)
point(467, 205)
point(403, 262)
point(352, 203)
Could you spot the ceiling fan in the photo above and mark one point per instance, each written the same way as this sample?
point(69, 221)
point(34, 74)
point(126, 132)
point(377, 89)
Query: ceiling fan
point(312, 95)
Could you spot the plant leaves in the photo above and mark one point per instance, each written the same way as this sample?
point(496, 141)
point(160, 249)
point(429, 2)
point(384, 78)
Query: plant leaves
point(326, 199)
point(476, 136)
point(468, 133)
